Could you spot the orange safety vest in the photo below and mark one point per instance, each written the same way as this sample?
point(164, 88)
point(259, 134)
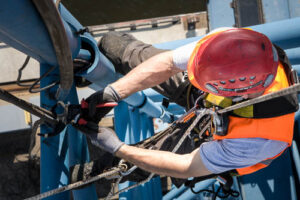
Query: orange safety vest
point(275, 128)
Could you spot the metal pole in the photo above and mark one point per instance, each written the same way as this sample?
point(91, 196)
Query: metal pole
point(284, 33)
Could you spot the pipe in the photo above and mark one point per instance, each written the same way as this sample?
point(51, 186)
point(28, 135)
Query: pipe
point(293, 55)
point(185, 192)
point(174, 192)
point(284, 33)
point(146, 105)
point(102, 72)
point(188, 194)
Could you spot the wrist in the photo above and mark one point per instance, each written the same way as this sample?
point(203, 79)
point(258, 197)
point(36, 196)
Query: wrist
point(118, 149)
point(120, 152)
point(110, 94)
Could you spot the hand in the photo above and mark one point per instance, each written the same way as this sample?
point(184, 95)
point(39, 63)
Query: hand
point(96, 106)
point(106, 139)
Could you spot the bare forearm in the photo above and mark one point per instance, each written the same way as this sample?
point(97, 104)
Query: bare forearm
point(152, 72)
point(161, 162)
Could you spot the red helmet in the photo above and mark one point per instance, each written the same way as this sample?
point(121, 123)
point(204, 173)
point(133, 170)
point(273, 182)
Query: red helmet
point(233, 62)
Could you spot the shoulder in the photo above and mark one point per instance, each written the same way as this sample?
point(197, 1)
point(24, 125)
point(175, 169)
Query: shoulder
point(224, 155)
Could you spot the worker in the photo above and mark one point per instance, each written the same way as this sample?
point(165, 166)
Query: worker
point(229, 64)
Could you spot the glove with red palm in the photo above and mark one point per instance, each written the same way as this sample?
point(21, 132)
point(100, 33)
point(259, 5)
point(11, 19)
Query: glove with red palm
point(95, 107)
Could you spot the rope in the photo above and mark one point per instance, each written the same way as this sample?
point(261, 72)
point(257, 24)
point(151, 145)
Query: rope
point(42, 113)
point(75, 185)
point(121, 168)
point(286, 91)
point(200, 114)
point(32, 88)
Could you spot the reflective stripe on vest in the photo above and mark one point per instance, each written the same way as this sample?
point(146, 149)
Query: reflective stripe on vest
point(277, 128)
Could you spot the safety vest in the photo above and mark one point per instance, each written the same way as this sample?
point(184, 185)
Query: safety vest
point(273, 119)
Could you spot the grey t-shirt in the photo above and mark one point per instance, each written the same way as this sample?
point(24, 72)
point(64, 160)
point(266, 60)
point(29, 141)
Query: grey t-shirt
point(224, 155)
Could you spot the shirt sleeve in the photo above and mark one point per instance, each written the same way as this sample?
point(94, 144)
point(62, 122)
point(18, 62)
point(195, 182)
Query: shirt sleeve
point(223, 155)
point(182, 54)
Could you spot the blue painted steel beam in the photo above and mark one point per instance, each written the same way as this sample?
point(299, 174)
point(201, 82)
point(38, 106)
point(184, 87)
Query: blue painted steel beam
point(275, 10)
point(220, 14)
point(53, 164)
point(13, 25)
point(280, 9)
point(72, 145)
point(62, 151)
point(133, 126)
point(294, 8)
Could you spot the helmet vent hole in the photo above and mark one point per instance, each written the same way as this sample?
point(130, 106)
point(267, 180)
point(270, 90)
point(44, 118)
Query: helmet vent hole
point(263, 46)
point(211, 88)
point(242, 78)
point(268, 80)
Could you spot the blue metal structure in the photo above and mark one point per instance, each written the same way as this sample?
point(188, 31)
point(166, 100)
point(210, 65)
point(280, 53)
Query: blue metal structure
point(132, 127)
point(68, 148)
point(60, 152)
point(132, 122)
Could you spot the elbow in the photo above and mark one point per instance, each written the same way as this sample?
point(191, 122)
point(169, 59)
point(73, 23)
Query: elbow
point(167, 59)
point(187, 168)
point(194, 166)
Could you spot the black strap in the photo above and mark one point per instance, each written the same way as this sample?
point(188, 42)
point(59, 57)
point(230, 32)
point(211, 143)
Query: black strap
point(179, 91)
point(226, 182)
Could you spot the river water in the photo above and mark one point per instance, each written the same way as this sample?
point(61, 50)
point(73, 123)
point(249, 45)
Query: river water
point(96, 12)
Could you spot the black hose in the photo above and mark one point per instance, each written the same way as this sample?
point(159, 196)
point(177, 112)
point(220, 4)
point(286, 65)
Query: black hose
point(20, 73)
point(32, 88)
point(54, 24)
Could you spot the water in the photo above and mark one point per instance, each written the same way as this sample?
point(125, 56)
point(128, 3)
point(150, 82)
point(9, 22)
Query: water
point(96, 12)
